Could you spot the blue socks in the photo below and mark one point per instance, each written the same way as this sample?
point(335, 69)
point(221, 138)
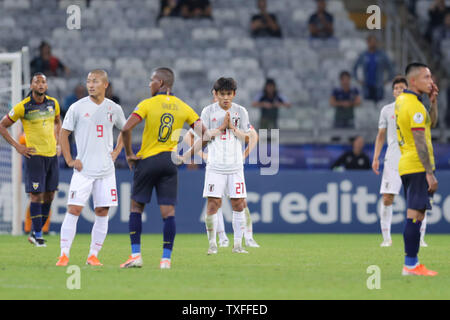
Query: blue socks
point(135, 227)
point(411, 237)
point(169, 231)
point(45, 212)
point(36, 218)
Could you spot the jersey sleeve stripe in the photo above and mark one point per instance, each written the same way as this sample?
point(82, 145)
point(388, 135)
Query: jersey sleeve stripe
point(135, 114)
point(194, 123)
point(7, 115)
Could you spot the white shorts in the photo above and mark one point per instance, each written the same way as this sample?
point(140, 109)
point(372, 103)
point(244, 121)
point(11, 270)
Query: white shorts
point(391, 183)
point(104, 191)
point(217, 185)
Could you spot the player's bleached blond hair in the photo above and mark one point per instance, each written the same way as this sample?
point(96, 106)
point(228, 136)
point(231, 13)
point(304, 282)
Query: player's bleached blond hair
point(102, 73)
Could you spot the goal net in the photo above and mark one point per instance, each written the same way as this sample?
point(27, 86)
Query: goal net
point(11, 192)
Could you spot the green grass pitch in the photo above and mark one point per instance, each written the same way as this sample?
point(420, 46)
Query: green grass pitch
point(287, 266)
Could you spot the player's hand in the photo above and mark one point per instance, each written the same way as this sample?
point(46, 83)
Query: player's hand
point(25, 151)
point(226, 122)
point(178, 160)
point(376, 166)
point(77, 164)
point(432, 182)
point(114, 155)
point(131, 160)
point(434, 93)
point(58, 150)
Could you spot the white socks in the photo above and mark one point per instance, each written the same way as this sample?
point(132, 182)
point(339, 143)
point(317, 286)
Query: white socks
point(68, 230)
point(211, 228)
point(238, 227)
point(248, 234)
point(98, 234)
point(221, 226)
point(385, 221)
point(423, 227)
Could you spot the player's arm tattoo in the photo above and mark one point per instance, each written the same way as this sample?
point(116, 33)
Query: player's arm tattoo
point(422, 149)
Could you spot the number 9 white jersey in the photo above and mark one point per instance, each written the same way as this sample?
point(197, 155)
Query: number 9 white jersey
point(92, 126)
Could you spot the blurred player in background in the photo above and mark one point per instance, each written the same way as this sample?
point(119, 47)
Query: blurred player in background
point(153, 165)
point(416, 166)
point(91, 120)
point(28, 224)
point(228, 126)
point(252, 141)
point(390, 181)
point(40, 116)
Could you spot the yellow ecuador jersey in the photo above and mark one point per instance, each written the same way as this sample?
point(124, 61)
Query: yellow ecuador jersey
point(164, 116)
point(38, 122)
point(411, 115)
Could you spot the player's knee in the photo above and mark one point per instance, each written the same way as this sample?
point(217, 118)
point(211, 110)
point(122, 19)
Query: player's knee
point(213, 205)
point(137, 206)
point(75, 210)
point(388, 199)
point(101, 211)
point(167, 211)
point(36, 197)
point(238, 205)
point(49, 196)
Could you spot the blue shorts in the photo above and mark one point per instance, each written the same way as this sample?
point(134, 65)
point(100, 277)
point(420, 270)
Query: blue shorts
point(157, 172)
point(41, 174)
point(415, 186)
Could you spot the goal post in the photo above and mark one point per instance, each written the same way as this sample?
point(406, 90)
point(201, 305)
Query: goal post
point(10, 161)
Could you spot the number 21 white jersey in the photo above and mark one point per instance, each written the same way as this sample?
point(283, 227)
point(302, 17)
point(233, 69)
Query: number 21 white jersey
point(225, 151)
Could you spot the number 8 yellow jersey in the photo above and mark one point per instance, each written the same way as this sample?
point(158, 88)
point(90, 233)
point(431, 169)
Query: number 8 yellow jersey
point(411, 115)
point(164, 116)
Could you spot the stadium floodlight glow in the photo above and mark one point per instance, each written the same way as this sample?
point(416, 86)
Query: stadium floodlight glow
point(11, 162)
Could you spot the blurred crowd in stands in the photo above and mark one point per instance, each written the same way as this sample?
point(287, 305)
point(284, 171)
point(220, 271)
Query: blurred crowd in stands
point(372, 69)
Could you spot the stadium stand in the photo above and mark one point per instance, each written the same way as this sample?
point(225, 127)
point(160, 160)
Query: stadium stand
point(126, 39)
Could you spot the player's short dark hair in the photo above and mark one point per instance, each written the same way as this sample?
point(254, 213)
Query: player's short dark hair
point(36, 75)
point(399, 79)
point(414, 66)
point(344, 73)
point(166, 75)
point(225, 84)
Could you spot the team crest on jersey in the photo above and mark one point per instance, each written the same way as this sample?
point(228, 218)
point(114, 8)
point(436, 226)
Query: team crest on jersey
point(211, 187)
point(418, 118)
point(35, 185)
point(50, 109)
point(110, 116)
point(236, 120)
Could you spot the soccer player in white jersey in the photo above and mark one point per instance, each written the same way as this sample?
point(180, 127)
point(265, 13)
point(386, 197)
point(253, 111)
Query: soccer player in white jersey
point(390, 181)
point(189, 139)
point(91, 119)
point(228, 124)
